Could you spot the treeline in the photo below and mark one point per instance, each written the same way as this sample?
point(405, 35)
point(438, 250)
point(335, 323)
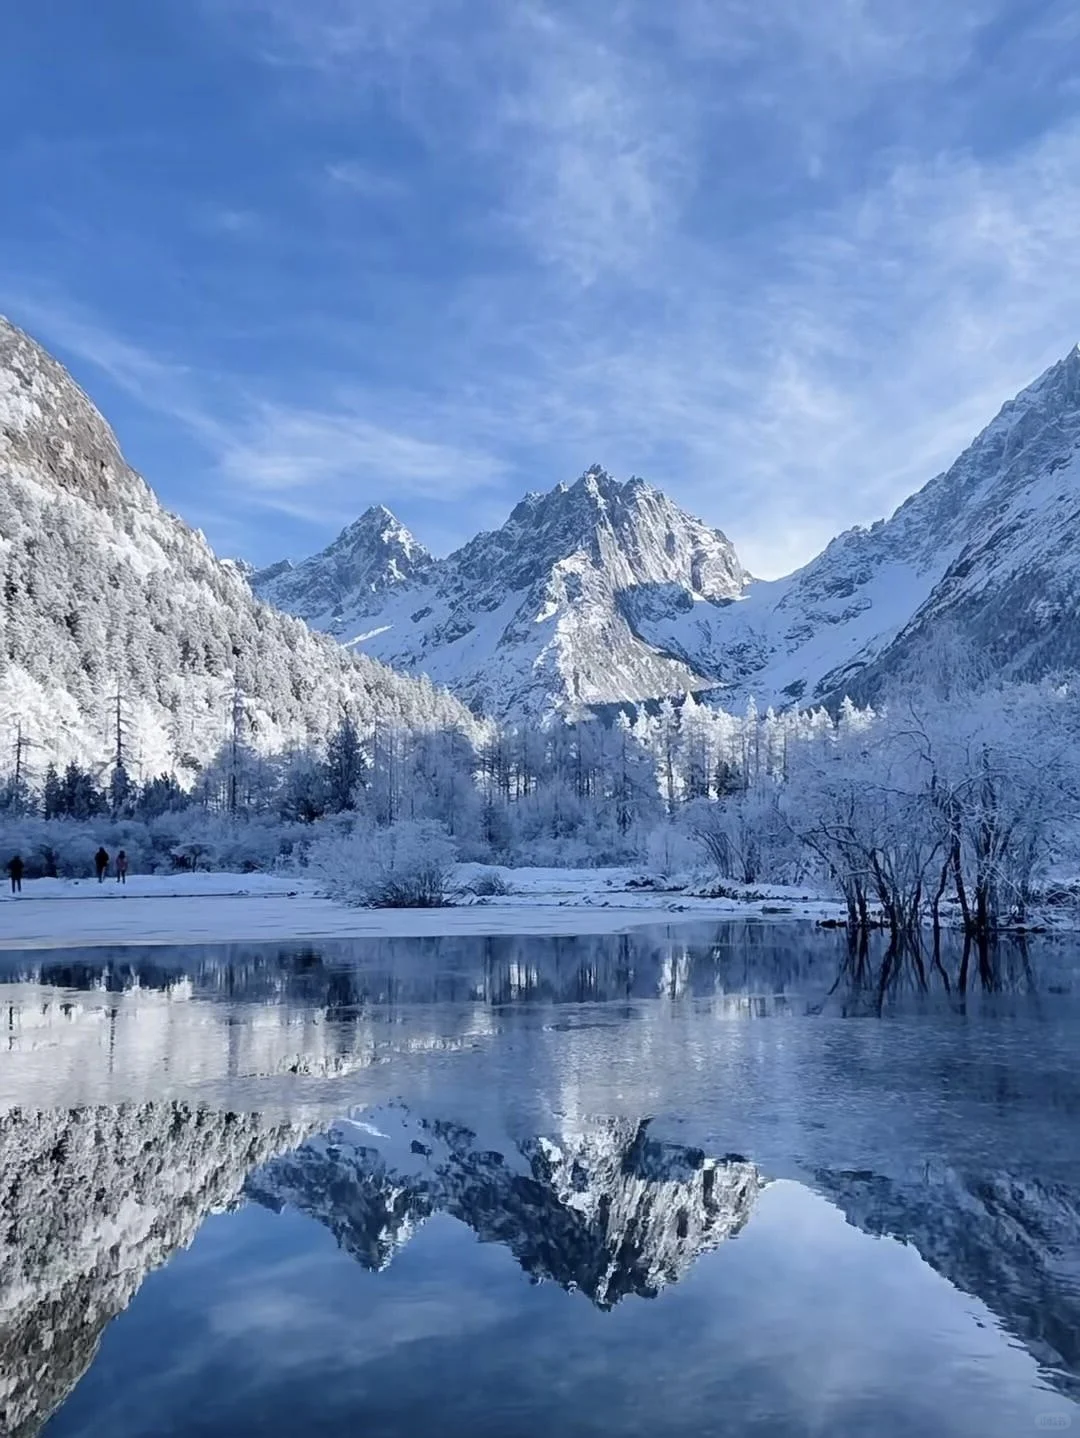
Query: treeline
point(572, 794)
point(566, 794)
point(960, 803)
point(582, 777)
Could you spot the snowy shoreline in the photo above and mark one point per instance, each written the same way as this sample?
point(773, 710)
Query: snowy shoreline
point(244, 908)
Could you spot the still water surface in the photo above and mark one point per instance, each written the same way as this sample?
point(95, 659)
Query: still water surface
point(696, 1181)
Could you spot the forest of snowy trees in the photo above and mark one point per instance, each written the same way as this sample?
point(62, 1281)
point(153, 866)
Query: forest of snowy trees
point(957, 803)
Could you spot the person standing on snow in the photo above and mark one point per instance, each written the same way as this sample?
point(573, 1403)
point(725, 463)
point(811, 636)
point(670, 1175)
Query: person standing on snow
point(121, 867)
point(101, 863)
point(15, 869)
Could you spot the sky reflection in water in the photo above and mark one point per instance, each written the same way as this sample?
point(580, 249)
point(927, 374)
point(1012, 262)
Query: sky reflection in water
point(608, 1121)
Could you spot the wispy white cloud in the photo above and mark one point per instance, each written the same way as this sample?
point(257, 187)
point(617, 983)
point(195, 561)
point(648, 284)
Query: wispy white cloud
point(595, 147)
point(784, 259)
point(582, 138)
point(163, 384)
point(597, 122)
point(364, 180)
point(319, 464)
point(287, 454)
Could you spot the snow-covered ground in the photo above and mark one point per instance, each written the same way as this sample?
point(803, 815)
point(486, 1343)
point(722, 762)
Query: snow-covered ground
point(237, 908)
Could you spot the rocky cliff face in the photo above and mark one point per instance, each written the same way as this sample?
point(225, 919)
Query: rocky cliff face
point(1002, 528)
point(102, 590)
point(984, 557)
point(608, 1211)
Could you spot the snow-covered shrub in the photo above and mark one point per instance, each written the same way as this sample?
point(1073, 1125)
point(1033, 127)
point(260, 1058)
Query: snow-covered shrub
point(744, 837)
point(408, 865)
point(488, 883)
point(549, 853)
point(670, 850)
point(65, 848)
point(183, 841)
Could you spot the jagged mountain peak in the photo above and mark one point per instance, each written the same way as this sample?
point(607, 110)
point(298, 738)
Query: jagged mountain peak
point(373, 520)
point(380, 531)
point(372, 554)
point(540, 614)
point(596, 492)
point(597, 481)
point(607, 1211)
point(603, 591)
point(1059, 382)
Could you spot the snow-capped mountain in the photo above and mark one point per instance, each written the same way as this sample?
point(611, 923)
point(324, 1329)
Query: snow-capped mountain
point(105, 592)
point(1007, 519)
point(601, 592)
point(595, 593)
point(608, 1211)
point(371, 555)
point(548, 612)
point(985, 556)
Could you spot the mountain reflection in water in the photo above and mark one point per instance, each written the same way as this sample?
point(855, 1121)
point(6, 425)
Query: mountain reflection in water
point(586, 1108)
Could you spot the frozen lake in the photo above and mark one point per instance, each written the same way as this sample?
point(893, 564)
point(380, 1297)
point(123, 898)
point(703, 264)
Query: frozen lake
point(709, 1179)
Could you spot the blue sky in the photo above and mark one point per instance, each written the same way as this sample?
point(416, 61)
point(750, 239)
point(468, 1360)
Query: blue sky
point(782, 258)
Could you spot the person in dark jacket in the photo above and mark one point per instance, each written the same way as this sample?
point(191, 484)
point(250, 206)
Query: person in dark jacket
point(121, 867)
point(101, 863)
point(15, 869)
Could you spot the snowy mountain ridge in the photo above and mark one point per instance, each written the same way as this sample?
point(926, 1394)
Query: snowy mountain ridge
point(873, 605)
point(607, 593)
point(1010, 1241)
point(103, 592)
point(545, 612)
point(369, 556)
